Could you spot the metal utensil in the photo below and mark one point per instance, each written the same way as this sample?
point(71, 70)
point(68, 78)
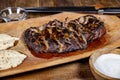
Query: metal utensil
point(15, 12)
point(83, 9)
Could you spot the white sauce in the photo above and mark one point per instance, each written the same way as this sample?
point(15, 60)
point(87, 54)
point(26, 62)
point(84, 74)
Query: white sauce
point(109, 64)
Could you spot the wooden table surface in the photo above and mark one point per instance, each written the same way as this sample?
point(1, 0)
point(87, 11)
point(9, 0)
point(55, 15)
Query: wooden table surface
point(77, 70)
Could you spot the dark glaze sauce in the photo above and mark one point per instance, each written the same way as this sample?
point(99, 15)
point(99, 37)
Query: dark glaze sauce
point(99, 43)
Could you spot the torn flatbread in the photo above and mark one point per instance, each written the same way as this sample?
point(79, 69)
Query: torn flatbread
point(10, 59)
point(7, 41)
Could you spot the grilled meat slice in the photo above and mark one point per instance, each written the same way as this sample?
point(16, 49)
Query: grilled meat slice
point(59, 41)
point(89, 26)
point(62, 37)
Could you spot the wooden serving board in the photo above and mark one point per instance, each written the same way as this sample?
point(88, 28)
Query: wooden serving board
point(32, 63)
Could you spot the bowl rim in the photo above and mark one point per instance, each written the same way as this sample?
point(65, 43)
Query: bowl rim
point(96, 71)
point(24, 17)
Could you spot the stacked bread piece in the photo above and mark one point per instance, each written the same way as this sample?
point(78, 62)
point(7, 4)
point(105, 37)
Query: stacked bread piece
point(9, 58)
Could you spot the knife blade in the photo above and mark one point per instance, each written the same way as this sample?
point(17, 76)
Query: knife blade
point(83, 9)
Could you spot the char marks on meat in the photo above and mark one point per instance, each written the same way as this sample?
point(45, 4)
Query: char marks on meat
point(62, 37)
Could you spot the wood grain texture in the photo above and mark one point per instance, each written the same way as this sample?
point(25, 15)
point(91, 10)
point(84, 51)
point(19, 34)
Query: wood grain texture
point(78, 70)
point(33, 63)
point(55, 3)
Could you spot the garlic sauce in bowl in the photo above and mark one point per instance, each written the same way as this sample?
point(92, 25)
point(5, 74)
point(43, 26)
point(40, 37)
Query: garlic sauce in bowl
point(105, 65)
